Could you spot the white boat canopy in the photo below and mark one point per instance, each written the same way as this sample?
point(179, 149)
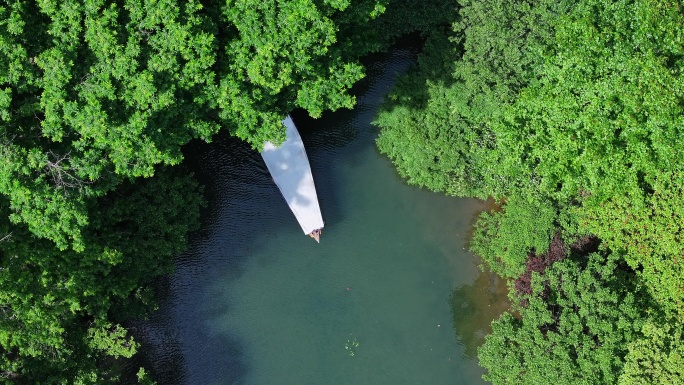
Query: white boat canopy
point(290, 169)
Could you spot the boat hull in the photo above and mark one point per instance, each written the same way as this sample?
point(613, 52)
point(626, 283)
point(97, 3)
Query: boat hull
point(289, 166)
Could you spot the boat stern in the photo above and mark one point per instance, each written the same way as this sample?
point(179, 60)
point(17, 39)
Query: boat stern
point(316, 234)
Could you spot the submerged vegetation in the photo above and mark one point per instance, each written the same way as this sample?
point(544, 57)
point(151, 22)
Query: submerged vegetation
point(351, 345)
point(569, 113)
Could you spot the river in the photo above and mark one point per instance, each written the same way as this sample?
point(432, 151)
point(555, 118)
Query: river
point(254, 301)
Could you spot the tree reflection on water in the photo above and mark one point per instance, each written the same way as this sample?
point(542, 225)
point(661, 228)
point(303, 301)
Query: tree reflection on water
point(474, 306)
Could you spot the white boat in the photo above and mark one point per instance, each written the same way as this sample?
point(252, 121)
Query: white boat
point(290, 169)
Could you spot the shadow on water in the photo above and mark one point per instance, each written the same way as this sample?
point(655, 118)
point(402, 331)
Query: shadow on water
point(237, 188)
point(164, 351)
point(160, 351)
point(474, 306)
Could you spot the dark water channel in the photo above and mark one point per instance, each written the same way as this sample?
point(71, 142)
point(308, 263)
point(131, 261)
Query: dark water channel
point(254, 301)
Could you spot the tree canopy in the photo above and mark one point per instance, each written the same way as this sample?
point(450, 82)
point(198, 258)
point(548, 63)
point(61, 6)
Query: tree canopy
point(570, 115)
point(573, 329)
point(62, 311)
point(445, 141)
point(95, 92)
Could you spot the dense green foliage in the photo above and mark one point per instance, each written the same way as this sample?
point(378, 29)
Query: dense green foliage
point(605, 117)
point(95, 95)
point(571, 114)
point(573, 329)
point(505, 238)
point(657, 357)
point(62, 310)
point(444, 140)
point(648, 229)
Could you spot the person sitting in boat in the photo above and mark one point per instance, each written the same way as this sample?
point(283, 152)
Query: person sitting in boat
point(315, 234)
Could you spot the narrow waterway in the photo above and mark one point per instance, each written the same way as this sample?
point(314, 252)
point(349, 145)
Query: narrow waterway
point(256, 302)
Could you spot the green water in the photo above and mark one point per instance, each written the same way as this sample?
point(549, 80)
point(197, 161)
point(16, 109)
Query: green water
point(254, 301)
point(400, 259)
